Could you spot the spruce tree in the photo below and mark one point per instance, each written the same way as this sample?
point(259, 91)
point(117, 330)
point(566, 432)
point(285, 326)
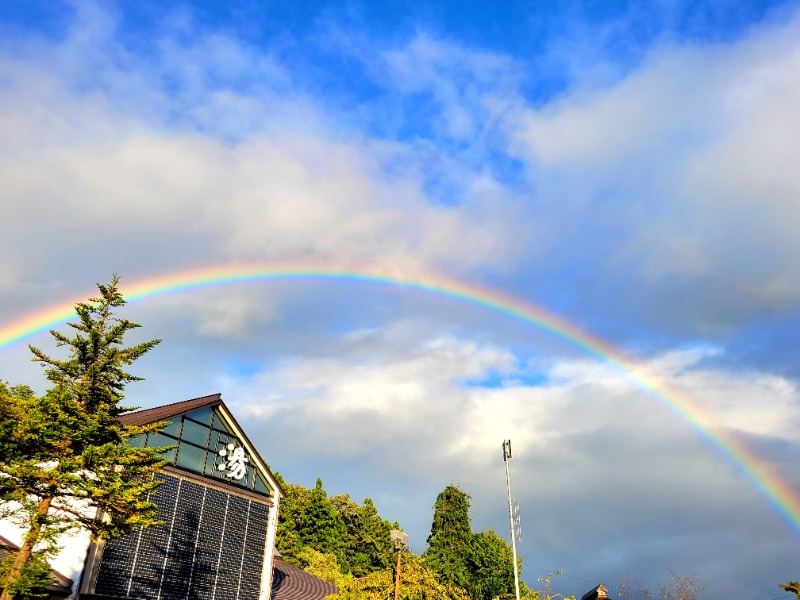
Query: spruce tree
point(63, 457)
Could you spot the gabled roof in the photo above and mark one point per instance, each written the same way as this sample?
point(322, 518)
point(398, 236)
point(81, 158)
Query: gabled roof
point(62, 585)
point(596, 593)
point(292, 583)
point(170, 411)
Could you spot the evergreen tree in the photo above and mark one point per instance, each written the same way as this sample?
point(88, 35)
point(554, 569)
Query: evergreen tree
point(287, 539)
point(63, 456)
point(450, 542)
point(369, 545)
point(319, 526)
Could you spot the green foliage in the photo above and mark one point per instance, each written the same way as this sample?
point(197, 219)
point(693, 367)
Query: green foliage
point(450, 543)
point(356, 535)
point(34, 577)
point(94, 372)
point(322, 565)
point(308, 519)
point(491, 567)
point(481, 563)
point(417, 582)
point(349, 545)
point(792, 586)
point(287, 539)
point(67, 448)
point(369, 546)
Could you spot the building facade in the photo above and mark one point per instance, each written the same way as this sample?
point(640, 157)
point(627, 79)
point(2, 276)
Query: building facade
point(218, 501)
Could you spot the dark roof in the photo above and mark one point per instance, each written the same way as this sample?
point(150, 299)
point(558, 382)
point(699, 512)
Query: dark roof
point(166, 412)
point(598, 592)
point(62, 585)
point(169, 411)
point(292, 583)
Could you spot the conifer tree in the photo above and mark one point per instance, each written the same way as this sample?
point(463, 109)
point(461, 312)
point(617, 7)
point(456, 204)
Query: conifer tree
point(63, 457)
point(369, 545)
point(321, 527)
point(450, 541)
point(287, 540)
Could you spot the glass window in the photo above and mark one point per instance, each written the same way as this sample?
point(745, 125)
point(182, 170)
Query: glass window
point(137, 441)
point(212, 460)
point(261, 485)
point(223, 439)
point(218, 424)
point(203, 415)
point(195, 433)
point(191, 457)
point(199, 446)
point(156, 440)
point(248, 479)
point(173, 428)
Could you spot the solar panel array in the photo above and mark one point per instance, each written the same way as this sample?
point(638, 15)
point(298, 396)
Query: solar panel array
point(210, 547)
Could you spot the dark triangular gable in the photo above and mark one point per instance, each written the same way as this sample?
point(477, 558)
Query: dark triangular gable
point(207, 416)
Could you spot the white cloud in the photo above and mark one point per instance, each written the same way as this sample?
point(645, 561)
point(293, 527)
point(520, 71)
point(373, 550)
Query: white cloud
point(120, 160)
point(683, 172)
point(461, 80)
point(331, 407)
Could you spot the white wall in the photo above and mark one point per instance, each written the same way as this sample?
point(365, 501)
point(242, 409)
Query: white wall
point(70, 559)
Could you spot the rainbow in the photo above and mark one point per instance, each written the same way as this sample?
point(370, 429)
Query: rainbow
point(758, 473)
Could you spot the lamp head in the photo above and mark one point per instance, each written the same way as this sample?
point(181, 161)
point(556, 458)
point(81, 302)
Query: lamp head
point(399, 539)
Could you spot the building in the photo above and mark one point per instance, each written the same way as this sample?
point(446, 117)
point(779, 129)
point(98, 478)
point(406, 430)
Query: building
point(218, 501)
point(292, 583)
point(61, 587)
point(599, 592)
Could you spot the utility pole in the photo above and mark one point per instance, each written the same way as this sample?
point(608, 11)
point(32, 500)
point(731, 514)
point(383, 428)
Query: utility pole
point(507, 459)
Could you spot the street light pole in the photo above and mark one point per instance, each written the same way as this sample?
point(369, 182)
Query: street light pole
point(397, 577)
point(399, 539)
point(507, 459)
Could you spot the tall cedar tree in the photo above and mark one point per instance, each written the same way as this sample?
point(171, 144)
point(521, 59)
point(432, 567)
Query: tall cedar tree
point(321, 527)
point(64, 463)
point(480, 563)
point(369, 544)
point(450, 541)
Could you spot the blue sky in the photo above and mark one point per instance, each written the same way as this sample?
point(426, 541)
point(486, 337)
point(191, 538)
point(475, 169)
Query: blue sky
point(630, 166)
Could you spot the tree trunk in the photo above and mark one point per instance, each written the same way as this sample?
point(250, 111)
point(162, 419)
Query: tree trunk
point(26, 551)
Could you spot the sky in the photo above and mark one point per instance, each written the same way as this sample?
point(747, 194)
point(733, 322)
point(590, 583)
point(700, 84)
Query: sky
point(630, 167)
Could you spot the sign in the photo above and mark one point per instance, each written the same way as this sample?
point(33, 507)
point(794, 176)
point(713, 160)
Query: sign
point(233, 462)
